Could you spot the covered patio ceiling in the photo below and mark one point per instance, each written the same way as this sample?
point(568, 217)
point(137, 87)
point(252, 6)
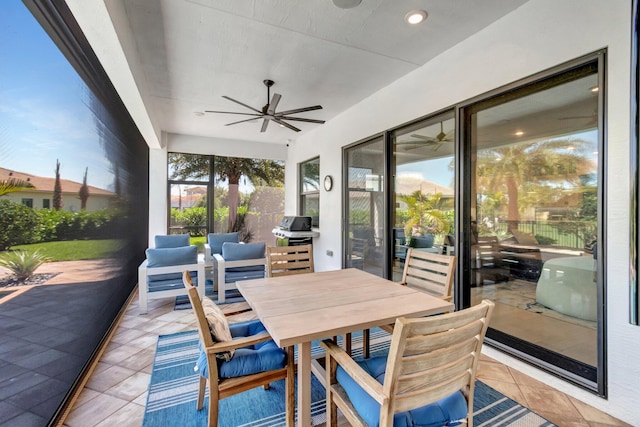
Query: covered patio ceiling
point(171, 60)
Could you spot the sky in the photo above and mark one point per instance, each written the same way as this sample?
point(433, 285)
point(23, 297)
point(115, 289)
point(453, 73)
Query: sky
point(43, 106)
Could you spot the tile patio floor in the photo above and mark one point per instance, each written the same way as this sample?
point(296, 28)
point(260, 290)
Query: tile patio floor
point(116, 392)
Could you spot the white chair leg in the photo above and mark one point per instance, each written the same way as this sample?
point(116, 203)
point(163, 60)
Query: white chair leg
point(201, 280)
point(221, 283)
point(142, 291)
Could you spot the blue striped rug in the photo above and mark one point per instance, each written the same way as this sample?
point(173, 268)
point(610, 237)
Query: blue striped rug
point(174, 386)
point(232, 295)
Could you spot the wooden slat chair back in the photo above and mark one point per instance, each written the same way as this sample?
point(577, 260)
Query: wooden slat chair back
point(429, 358)
point(287, 260)
point(230, 386)
point(430, 273)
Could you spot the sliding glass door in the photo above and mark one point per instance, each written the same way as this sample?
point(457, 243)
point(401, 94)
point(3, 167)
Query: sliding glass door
point(423, 196)
point(365, 206)
point(534, 212)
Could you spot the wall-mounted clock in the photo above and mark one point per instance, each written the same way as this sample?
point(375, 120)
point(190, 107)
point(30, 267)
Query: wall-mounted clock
point(328, 183)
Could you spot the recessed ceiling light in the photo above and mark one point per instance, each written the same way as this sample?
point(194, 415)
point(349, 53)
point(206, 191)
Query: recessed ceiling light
point(346, 4)
point(519, 133)
point(415, 17)
point(595, 89)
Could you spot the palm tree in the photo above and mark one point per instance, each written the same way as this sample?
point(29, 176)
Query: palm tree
point(13, 185)
point(231, 169)
point(427, 212)
point(508, 168)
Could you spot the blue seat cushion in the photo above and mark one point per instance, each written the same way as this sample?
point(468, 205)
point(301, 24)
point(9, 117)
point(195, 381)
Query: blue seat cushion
point(168, 282)
point(165, 257)
point(172, 241)
point(264, 356)
point(217, 239)
point(236, 276)
point(448, 411)
point(239, 251)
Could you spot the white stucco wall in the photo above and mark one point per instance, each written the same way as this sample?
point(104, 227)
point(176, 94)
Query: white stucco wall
point(539, 35)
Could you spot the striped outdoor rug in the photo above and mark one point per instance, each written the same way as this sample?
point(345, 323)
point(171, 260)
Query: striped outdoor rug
point(174, 385)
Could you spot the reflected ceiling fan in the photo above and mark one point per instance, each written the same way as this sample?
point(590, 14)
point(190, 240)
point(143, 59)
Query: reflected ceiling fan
point(268, 112)
point(593, 118)
point(437, 142)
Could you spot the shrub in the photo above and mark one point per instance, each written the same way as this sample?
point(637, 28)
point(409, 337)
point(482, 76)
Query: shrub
point(19, 224)
point(64, 225)
point(22, 263)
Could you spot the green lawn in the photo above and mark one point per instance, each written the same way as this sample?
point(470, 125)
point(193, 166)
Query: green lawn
point(199, 242)
point(76, 249)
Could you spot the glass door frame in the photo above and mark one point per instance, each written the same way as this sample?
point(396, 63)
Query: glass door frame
point(464, 205)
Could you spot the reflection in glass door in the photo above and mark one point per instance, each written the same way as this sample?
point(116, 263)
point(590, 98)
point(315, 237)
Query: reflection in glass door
point(364, 207)
point(534, 211)
point(424, 188)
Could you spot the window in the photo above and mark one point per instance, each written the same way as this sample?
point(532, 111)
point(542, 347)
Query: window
point(214, 194)
point(46, 203)
point(310, 190)
point(28, 202)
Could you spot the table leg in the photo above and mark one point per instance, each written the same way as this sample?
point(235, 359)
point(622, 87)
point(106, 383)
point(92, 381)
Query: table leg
point(304, 384)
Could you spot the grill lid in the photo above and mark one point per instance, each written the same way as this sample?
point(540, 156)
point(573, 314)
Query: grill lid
point(296, 223)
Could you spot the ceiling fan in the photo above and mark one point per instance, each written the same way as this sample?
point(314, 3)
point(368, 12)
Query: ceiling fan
point(439, 139)
point(268, 112)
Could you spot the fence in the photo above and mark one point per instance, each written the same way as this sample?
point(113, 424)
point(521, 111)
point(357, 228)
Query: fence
point(570, 234)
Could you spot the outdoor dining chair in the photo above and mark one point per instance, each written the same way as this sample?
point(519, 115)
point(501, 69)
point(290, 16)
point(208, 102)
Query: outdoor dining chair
point(430, 273)
point(236, 358)
point(427, 272)
point(287, 260)
point(427, 378)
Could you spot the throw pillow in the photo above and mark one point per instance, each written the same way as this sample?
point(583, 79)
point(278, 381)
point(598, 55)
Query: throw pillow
point(218, 326)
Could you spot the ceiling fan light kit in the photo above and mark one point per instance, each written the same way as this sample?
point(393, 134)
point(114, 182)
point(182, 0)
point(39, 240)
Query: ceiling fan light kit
point(347, 4)
point(269, 113)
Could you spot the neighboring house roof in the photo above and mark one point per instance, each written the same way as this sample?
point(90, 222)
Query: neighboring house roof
point(188, 201)
point(407, 185)
point(43, 184)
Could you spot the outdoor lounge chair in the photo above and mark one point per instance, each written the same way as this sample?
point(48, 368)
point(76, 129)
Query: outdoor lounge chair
point(244, 357)
point(427, 378)
point(238, 261)
point(160, 274)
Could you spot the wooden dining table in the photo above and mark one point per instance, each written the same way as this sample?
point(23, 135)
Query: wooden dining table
point(299, 309)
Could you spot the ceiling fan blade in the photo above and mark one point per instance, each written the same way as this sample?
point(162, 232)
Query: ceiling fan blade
point(285, 124)
point(299, 110)
point(300, 119)
point(231, 112)
point(273, 104)
point(242, 121)
point(423, 138)
point(265, 123)
point(244, 105)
